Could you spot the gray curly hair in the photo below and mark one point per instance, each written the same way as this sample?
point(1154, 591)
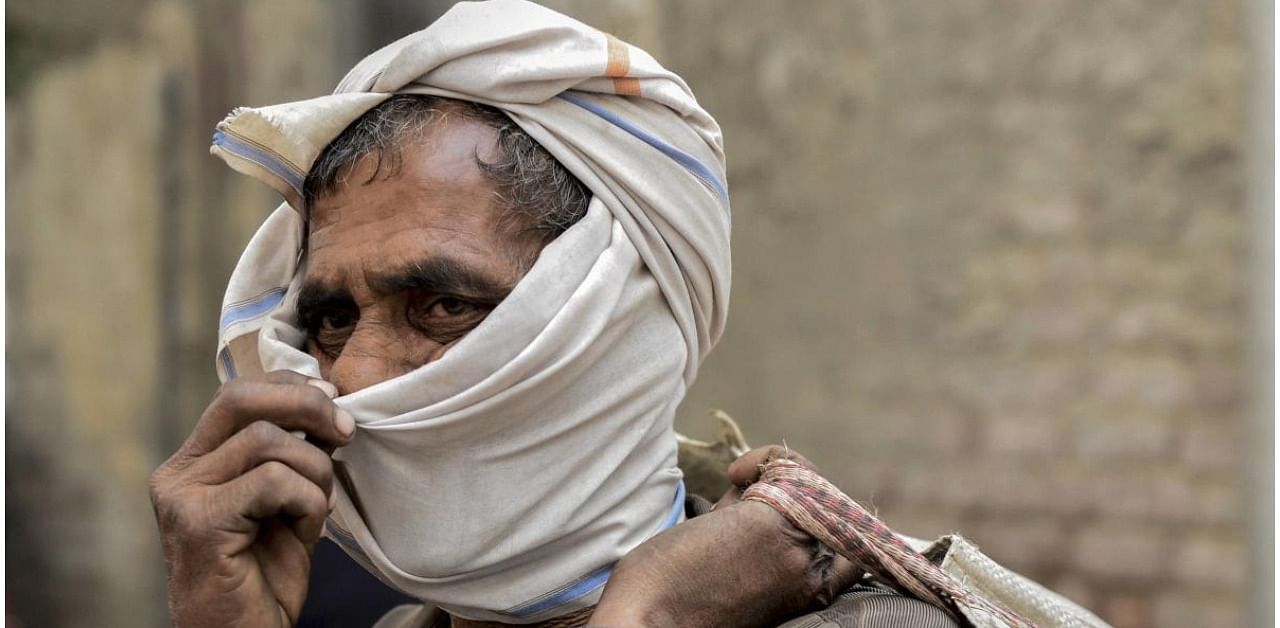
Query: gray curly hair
point(529, 183)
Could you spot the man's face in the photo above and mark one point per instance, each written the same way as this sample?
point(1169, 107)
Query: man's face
point(400, 269)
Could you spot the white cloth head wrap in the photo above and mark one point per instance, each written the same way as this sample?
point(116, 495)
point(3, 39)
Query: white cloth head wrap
point(503, 480)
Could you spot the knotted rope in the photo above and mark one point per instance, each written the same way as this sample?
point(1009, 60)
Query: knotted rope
point(816, 506)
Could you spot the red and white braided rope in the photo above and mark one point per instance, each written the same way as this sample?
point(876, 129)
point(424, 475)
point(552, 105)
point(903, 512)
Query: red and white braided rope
point(816, 506)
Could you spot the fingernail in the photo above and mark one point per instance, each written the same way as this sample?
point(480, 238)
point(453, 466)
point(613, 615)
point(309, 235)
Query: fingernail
point(329, 389)
point(345, 423)
point(333, 498)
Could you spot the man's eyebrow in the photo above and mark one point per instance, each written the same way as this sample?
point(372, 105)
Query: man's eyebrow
point(314, 295)
point(442, 275)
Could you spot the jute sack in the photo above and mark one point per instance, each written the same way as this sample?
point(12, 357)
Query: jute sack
point(949, 572)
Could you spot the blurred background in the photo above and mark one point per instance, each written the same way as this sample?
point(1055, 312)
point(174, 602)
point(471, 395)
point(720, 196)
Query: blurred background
point(1001, 267)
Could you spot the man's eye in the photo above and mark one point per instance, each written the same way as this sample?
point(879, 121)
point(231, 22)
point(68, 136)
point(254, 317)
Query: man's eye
point(328, 328)
point(445, 319)
point(449, 306)
point(334, 320)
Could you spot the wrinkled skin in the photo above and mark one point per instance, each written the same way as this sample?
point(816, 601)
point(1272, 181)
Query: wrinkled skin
point(241, 505)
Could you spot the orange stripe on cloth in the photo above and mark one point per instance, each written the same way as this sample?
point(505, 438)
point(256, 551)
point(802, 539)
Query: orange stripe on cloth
point(618, 66)
point(626, 86)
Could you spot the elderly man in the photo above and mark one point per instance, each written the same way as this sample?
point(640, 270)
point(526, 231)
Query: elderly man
point(458, 347)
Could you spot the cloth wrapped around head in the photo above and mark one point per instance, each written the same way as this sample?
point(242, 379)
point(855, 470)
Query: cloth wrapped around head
point(503, 480)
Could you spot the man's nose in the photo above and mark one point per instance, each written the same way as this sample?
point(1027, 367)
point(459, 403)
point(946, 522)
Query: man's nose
point(373, 354)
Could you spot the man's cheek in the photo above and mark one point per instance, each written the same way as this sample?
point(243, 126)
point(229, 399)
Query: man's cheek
point(442, 349)
point(323, 359)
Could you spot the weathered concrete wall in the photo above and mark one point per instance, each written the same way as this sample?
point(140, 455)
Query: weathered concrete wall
point(990, 271)
point(119, 231)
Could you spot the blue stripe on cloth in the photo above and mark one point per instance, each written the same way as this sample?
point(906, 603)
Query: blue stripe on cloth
point(677, 507)
point(591, 581)
point(228, 365)
point(253, 308)
point(579, 588)
point(245, 150)
point(691, 163)
point(346, 540)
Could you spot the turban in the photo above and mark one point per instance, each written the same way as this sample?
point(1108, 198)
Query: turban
point(501, 481)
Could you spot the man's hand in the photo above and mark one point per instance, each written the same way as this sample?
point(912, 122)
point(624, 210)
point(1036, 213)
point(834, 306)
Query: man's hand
point(742, 564)
point(242, 503)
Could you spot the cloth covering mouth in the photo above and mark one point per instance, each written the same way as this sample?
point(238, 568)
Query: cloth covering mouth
point(503, 480)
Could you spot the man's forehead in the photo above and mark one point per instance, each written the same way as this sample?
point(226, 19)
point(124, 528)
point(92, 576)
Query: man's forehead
point(437, 166)
point(395, 232)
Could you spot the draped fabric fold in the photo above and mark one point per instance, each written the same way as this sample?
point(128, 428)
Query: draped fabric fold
point(503, 480)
